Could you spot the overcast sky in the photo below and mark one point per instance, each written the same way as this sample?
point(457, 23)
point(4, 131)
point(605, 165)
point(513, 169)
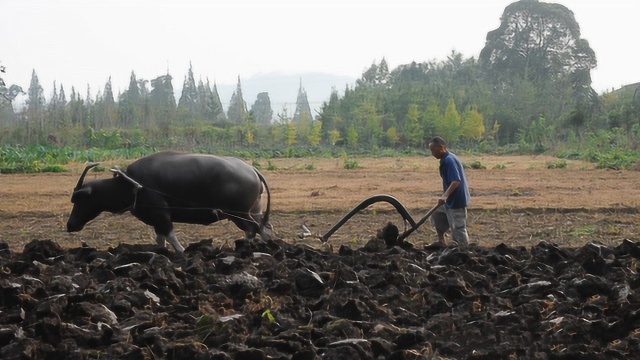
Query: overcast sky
point(80, 42)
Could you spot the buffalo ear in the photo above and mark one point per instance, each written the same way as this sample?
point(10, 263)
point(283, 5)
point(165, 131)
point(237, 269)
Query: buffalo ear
point(81, 193)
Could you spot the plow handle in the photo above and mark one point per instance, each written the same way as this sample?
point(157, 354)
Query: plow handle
point(419, 223)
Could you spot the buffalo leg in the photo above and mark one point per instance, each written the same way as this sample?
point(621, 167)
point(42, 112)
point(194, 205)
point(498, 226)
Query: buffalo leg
point(250, 227)
point(160, 240)
point(171, 238)
point(265, 232)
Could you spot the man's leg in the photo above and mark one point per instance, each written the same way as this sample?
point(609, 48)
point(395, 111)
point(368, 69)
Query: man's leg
point(458, 220)
point(439, 220)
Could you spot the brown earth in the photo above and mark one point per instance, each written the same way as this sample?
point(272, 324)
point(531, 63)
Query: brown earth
point(521, 204)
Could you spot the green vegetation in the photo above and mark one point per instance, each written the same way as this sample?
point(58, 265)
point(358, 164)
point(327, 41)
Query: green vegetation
point(44, 158)
point(502, 102)
point(557, 164)
point(350, 164)
point(583, 231)
point(476, 165)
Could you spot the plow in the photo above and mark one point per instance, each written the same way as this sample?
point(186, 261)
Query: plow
point(402, 210)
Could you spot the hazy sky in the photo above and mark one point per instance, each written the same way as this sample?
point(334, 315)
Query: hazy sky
point(80, 42)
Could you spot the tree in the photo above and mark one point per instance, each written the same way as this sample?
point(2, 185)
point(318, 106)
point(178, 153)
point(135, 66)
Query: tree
point(76, 108)
point(162, 100)
point(315, 135)
point(334, 136)
point(237, 112)
point(261, 109)
point(330, 115)
point(208, 102)
point(352, 136)
point(538, 41)
point(392, 136)
point(472, 127)
point(188, 103)
point(35, 108)
point(106, 112)
point(431, 119)
point(303, 110)
point(449, 125)
point(382, 76)
point(413, 131)
point(56, 108)
point(375, 75)
point(291, 134)
point(217, 105)
point(7, 95)
point(368, 124)
point(130, 104)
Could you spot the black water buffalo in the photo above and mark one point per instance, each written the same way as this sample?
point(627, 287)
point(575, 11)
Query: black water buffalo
point(169, 187)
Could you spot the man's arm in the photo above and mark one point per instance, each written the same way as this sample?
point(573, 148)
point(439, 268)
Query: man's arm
point(443, 199)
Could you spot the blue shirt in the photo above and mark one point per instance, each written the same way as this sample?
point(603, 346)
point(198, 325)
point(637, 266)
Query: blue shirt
point(451, 170)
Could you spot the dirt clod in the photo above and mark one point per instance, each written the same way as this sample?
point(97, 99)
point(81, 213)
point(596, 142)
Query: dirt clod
point(273, 299)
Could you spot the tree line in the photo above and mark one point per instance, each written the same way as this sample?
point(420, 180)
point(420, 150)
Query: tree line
point(529, 87)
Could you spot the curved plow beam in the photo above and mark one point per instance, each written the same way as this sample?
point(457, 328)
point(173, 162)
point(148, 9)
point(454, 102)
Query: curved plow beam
point(366, 203)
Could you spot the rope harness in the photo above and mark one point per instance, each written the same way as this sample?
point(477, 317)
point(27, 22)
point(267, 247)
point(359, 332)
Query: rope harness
point(137, 187)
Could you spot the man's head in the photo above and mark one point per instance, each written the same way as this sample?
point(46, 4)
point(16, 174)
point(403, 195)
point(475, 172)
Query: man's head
point(438, 147)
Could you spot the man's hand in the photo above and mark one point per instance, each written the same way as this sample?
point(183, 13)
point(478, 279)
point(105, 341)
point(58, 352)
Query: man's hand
point(442, 199)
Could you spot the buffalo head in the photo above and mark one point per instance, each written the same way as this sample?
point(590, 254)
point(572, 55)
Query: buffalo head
point(84, 209)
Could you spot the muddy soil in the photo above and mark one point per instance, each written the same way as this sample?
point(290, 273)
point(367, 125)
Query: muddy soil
point(277, 300)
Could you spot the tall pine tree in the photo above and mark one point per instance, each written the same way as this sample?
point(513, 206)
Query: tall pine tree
point(188, 103)
point(303, 110)
point(35, 109)
point(130, 103)
point(217, 105)
point(237, 112)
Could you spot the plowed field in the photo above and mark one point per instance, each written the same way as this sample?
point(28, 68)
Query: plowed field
point(521, 204)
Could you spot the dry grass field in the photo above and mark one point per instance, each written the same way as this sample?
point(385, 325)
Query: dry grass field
point(516, 200)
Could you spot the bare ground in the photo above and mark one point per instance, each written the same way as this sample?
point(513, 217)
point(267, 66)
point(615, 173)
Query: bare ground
point(522, 204)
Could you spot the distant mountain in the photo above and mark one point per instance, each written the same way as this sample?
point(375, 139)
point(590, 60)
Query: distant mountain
point(283, 90)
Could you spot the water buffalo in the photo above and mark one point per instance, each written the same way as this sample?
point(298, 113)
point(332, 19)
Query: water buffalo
point(169, 187)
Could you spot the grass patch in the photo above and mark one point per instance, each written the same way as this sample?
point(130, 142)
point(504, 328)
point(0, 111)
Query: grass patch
point(557, 164)
point(55, 168)
point(476, 165)
point(583, 231)
point(350, 164)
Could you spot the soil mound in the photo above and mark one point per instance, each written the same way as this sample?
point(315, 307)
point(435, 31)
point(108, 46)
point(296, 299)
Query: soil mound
point(275, 300)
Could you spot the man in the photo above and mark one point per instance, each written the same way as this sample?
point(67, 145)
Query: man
point(452, 214)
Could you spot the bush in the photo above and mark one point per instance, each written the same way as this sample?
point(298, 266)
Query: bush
point(558, 164)
point(350, 164)
point(54, 168)
point(614, 160)
point(476, 164)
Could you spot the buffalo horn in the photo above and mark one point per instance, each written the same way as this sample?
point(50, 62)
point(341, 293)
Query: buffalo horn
point(84, 173)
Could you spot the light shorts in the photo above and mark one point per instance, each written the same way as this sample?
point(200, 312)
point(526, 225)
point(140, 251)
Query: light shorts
point(444, 219)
